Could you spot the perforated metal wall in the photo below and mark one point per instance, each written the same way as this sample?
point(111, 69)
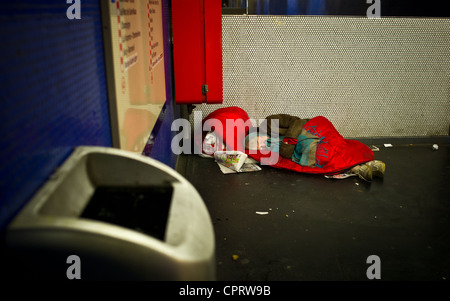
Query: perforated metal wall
point(370, 77)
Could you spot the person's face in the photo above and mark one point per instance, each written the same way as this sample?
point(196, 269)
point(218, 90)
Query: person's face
point(257, 142)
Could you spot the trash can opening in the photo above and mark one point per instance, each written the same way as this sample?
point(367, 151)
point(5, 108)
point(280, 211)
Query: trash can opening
point(144, 209)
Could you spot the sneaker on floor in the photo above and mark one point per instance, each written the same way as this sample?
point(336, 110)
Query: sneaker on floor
point(378, 167)
point(363, 171)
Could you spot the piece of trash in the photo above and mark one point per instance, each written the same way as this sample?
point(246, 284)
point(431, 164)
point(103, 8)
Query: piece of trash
point(374, 148)
point(235, 257)
point(340, 176)
point(435, 147)
point(246, 167)
point(212, 143)
point(387, 145)
point(262, 212)
point(235, 161)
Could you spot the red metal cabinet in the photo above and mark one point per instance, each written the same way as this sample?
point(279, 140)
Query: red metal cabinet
point(197, 51)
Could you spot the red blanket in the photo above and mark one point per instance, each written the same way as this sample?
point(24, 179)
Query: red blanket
point(334, 153)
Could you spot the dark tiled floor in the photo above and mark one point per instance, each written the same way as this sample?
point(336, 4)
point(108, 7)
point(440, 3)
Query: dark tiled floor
point(324, 229)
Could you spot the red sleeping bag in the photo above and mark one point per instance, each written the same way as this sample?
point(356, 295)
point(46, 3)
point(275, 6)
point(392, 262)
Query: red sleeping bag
point(334, 153)
point(217, 121)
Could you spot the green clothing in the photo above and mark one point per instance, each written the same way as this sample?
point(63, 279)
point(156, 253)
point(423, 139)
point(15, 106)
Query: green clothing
point(289, 127)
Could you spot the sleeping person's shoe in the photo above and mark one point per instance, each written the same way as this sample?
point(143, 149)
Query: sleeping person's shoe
point(364, 171)
point(378, 167)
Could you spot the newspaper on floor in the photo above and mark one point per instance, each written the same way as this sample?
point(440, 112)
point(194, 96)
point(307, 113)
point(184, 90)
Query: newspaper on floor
point(341, 176)
point(246, 167)
point(235, 161)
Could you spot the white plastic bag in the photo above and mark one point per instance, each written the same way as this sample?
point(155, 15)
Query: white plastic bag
point(211, 144)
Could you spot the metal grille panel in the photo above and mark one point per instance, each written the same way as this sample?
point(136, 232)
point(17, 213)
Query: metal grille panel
point(370, 77)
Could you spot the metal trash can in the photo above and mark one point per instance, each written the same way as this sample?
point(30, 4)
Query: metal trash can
point(122, 216)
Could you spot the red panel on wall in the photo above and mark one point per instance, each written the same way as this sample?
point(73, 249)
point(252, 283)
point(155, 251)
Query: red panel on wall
point(213, 50)
point(197, 51)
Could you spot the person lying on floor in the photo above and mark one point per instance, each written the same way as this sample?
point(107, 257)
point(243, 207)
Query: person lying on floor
point(303, 145)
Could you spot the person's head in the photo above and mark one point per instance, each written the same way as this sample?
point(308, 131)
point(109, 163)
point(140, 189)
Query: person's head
point(255, 141)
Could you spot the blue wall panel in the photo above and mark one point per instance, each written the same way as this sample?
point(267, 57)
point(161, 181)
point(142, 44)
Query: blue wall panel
point(53, 93)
